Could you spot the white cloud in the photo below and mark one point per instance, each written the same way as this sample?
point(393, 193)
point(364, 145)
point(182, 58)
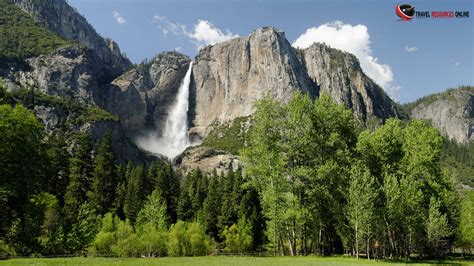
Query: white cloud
point(352, 39)
point(411, 49)
point(167, 26)
point(203, 33)
point(119, 18)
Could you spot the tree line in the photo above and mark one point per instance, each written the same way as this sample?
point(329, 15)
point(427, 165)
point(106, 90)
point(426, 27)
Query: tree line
point(312, 182)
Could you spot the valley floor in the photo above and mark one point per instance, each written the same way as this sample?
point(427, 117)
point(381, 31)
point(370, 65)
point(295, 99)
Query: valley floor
point(210, 261)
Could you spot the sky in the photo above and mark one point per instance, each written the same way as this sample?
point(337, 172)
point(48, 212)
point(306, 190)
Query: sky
point(409, 59)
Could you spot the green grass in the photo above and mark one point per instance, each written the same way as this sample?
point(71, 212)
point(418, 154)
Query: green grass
point(210, 261)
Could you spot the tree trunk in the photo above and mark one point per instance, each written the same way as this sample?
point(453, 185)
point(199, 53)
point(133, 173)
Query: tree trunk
point(368, 243)
point(357, 240)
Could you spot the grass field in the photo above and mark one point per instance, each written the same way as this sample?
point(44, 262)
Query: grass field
point(210, 261)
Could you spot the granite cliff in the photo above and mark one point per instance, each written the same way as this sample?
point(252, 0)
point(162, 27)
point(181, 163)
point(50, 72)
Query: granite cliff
point(227, 78)
point(451, 112)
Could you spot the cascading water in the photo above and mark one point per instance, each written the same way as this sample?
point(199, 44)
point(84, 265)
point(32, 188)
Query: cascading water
point(174, 139)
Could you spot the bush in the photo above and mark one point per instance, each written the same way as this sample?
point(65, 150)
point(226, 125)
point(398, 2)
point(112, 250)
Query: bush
point(153, 241)
point(238, 237)
point(187, 239)
point(6, 251)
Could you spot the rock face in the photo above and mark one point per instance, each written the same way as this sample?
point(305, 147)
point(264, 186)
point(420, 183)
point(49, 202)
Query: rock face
point(142, 95)
point(73, 72)
point(451, 112)
point(339, 74)
point(61, 18)
point(77, 72)
point(207, 160)
point(228, 77)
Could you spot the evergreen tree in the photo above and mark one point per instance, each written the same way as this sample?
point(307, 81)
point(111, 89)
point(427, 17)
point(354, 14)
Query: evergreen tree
point(212, 207)
point(134, 197)
point(102, 193)
point(167, 181)
point(79, 179)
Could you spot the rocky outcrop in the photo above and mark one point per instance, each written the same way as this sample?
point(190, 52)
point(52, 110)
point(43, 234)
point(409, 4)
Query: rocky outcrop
point(451, 112)
point(230, 76)
point(207, 160)
point(142, 95)
point(59, 17)
point(73, 72)
point(339, 74)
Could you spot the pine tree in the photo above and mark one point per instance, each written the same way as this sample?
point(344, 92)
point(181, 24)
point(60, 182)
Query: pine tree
point(167, 181)
point(211, 208)
point(102, 193)
point(134, 197)
point(228, 215)
point(79, 179)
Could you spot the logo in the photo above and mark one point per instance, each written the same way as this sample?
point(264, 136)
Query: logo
point(405, 12)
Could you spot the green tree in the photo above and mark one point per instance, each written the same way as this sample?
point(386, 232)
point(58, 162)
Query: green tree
point(153, 212)
point(79, 179)
point(102, 193)
point(84, 230)
point(21, 141)
point(466, 226)
point(361, 204)
point(238, 237)
point(211, 208)
point(437, 228)
point(134, 196)
point(167, 180)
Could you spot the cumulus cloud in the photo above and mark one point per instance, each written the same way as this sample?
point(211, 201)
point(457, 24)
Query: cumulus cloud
point(354, 39)
point(119, 18)
point(203, 32)
point(411, 49)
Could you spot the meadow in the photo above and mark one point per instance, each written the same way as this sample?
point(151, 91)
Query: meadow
point(210, 261)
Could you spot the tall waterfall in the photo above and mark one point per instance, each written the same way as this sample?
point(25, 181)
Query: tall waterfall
point(174, 139)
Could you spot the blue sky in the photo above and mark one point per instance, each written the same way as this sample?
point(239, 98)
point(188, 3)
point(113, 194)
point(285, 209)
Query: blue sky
point(410, 59)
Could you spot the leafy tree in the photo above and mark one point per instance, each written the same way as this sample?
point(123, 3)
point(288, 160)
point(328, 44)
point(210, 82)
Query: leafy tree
point(153, 212)
point(437, 227)
point(83, 232)
point(187, 239)
point(21, 141)
point(238, 237)
point(153, 241)
point(466, 226)
point(361, 204)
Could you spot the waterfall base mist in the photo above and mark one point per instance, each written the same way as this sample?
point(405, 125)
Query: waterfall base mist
point(174, 139)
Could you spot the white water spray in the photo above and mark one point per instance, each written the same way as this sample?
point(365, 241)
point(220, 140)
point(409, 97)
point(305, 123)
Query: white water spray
point(175, 134)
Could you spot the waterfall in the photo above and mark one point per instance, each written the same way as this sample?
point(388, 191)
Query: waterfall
point(174, 139)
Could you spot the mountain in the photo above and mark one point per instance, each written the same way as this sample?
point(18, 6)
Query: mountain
point(141, 96)
point(227, 78)
point(59, 17)
point(66, 64)
point(339, 74)
point(451, 112)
